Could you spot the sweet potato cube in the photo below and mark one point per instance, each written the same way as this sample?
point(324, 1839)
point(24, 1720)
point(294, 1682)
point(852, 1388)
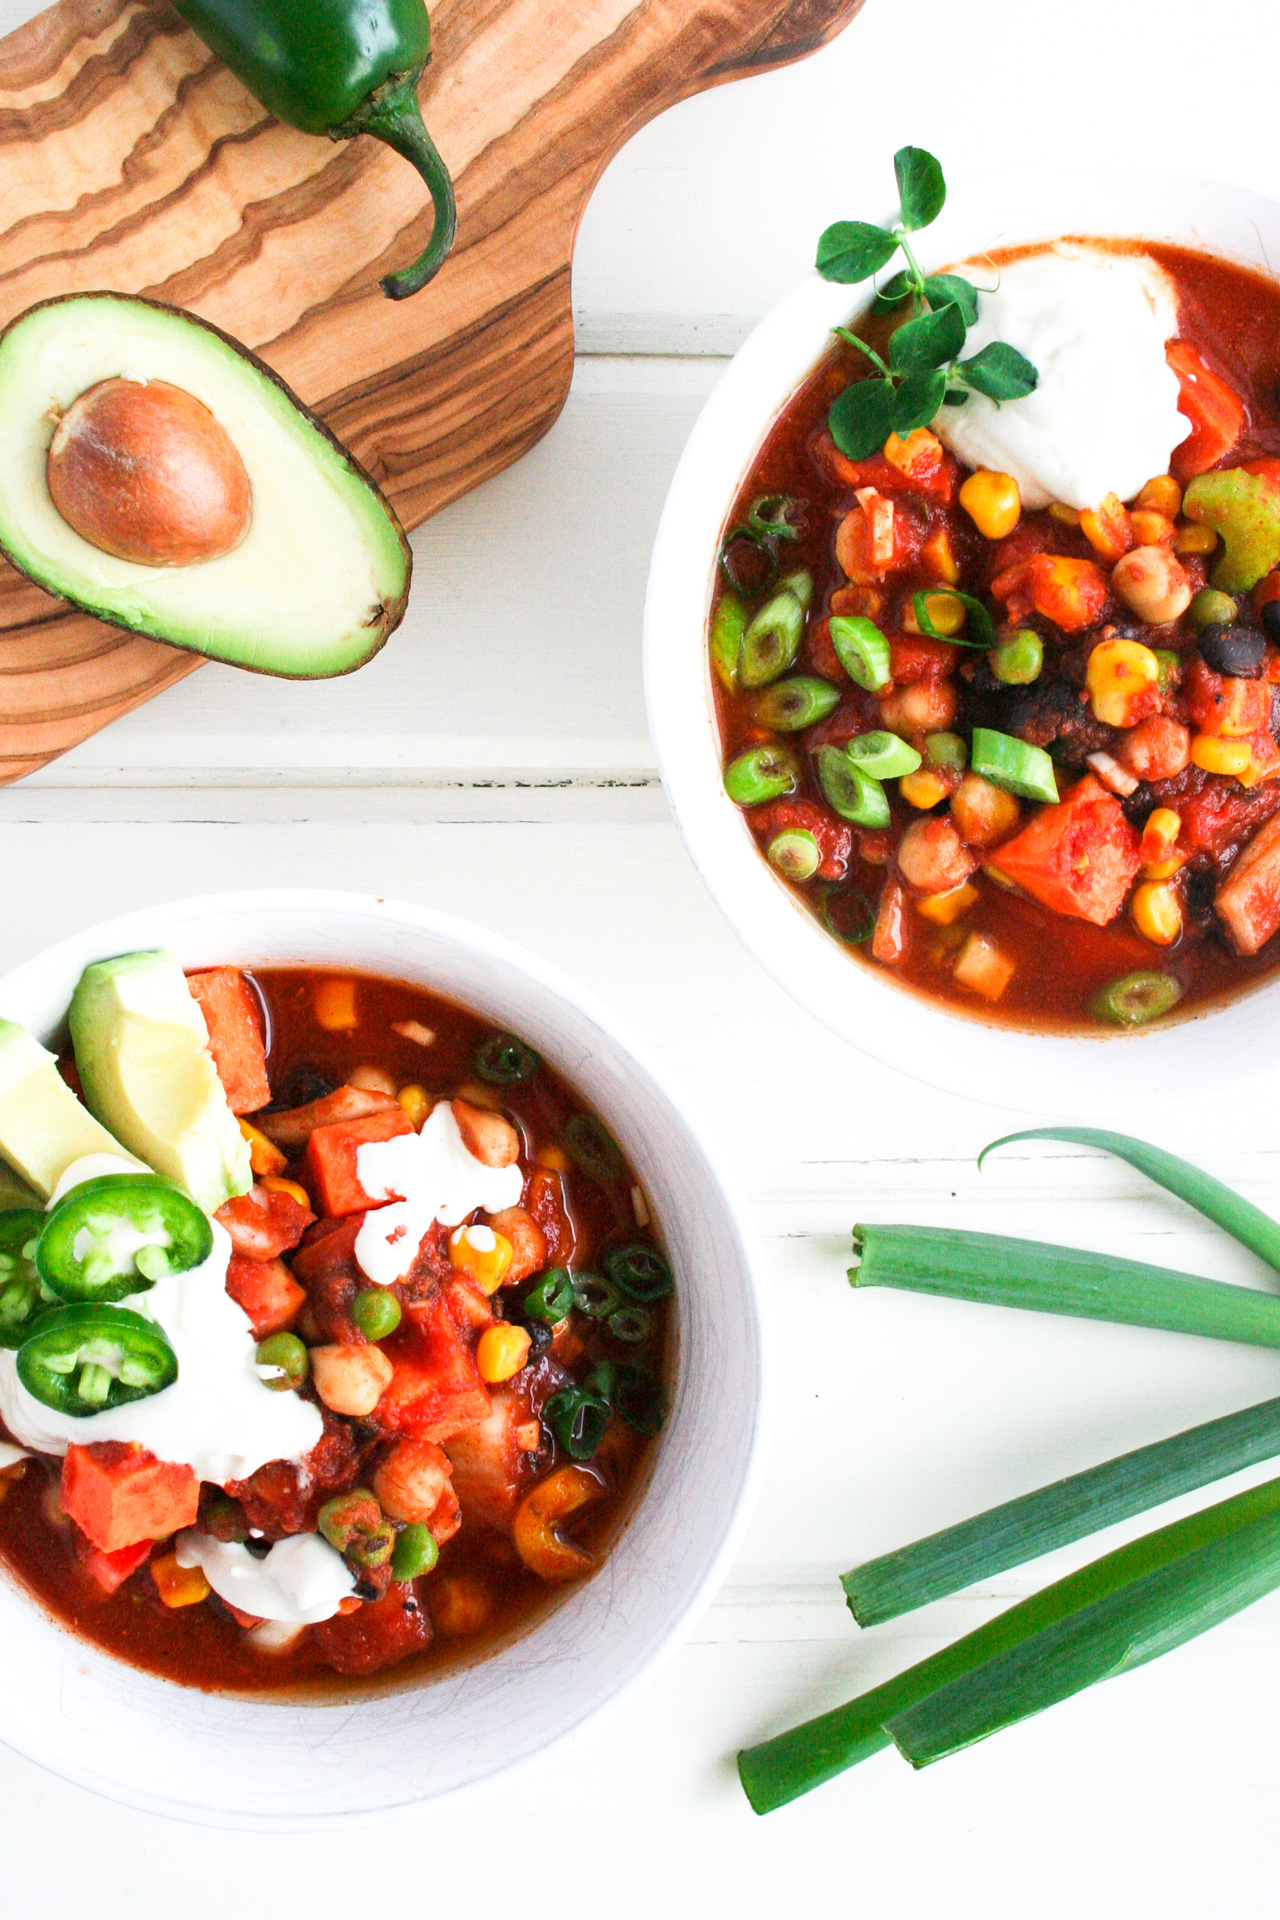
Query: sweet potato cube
point(1078, 857)
point(332, 1155)
point(1248, 901)
point(231, 1014)
point(111, 1570)
point(119, 1494)
point(267, 1291)
point(435, 1387)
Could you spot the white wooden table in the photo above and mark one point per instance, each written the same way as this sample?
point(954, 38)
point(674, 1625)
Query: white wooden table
point(494, 760)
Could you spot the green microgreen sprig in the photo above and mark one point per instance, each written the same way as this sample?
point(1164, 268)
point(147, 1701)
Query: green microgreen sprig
point(924, 371)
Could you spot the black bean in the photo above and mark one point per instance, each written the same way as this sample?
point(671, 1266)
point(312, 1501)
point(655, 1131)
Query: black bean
point(1271, 620)
point(540, 1338)
point(1237, 652)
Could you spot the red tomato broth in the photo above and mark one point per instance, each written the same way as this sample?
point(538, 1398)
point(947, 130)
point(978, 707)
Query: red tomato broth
point(202, 1645)
point(1232, 316)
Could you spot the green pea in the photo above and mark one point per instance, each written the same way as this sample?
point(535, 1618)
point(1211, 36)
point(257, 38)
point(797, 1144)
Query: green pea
point(854, 794)
point(286, 1360)
point(1211, 609)
point(376, 1312)
point(772, 640)
point(796, 703)
point(1170, 666)
point(415, 1552)
point(1018, 660)
point(885, 756)
point(945, 750)
point(795, 853)
point(762, 774)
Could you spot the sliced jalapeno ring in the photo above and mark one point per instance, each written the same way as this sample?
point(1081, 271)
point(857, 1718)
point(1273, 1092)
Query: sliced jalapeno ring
point(117, 1236)
point(591, 1148)
point(640, 1271)
point(82, 1360)
point(594, 1296)
point(504, 1061)
point(631, 1324)
point(550, 1297)
point(1136, 998)
point(23, 1295)
point(578, 1418)
point(639, 1400)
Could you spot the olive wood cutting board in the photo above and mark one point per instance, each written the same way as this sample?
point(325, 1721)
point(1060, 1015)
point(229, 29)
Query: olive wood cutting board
point(132, 160)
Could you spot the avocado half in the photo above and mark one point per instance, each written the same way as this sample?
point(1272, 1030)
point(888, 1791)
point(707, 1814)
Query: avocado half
point(322, 575)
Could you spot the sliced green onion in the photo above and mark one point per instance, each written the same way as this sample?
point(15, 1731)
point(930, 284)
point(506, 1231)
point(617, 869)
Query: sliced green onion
point(1135, 998)
point(800, 583)
point(1037, 1523)
point(849, 914)
point(1000, 1272)
point(945, 750)
point(772, 639)
point(1012, 764)
point(862, 650)
point(728, 624)
point(885, 756)
point(762, 774)
point(795, 853)
point(982, 631)
point(796, 703)
point(852, 793)
point(1217, 1202)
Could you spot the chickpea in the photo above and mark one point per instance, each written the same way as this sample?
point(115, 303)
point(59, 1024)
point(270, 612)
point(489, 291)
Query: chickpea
point(932, 857)
point(488, 1137)
point(412, 1480)
point(350, 1380)
point(1156, 749)
point(528, 1242)
point(1153, 583)
point(374, 1080)
point(985, 814)
point(927, 706)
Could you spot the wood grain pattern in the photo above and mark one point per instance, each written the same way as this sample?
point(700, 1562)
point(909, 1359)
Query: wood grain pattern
point(131, 160)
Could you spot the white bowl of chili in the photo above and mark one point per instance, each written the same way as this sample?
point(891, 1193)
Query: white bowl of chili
point(268, 1761)
point(1042, 1065)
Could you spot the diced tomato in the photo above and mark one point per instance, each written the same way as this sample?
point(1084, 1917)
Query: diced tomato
point(1215, 410)
point(544, 1198)
point(915, 657)
point(823, 657)
point(119, 1494)
point(1222, 814)
point(267, 1291)
point(378, 1634)
point(281, 1499)
point(1227, 706)
point(264, 1222)
point(111, 1570)
point(1079, 857)
point(436, 1388)
point(834, 837)
point(932, 472)
point(1071, 593)
point(332, 1156)
point(490, 1458)
point(231, 1015)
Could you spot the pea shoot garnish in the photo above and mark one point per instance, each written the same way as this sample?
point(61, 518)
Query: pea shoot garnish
point(924, 370)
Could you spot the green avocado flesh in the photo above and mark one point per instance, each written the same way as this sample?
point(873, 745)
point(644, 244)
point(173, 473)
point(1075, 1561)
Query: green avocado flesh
point(322, 576)
point(142, 1053)
point(43, 1127)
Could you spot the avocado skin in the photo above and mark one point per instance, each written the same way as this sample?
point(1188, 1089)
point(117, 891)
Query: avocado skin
point(392, 610)
point(169, 1109)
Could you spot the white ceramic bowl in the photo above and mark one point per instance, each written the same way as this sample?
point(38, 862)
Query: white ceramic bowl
point(241, 1762)
point(1056, 1074)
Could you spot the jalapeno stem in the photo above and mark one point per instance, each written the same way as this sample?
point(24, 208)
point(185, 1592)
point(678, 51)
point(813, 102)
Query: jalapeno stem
point(392, 115)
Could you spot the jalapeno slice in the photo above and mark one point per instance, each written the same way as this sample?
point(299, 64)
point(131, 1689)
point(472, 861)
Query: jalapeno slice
point(117, 1236)
point(83, 1360)
point(23, 1296)
point(640, 1271)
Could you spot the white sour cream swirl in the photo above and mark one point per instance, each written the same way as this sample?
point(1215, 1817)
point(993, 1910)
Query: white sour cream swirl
point(301, 1580)
point(433, 1177)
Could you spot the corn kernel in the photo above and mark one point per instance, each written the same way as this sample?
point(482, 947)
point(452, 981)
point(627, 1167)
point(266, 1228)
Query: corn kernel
point(178, 1586)
point(1106, 528)
point(1151, 529)
point(1193, 539)
point(555, 1159)
point(415, 1103)
point(943, 908)
point(1160, 832)
point(993, 503)
point(1215, 754)
point(1117, 672)
point(1161, 495)
point(1165, 869)
point(938, 556)
point(923, 788)
point(501, 1352)
point(946, 614)
point(274, 1185)
point(264, 1155)
point(482, 1254)
point(1156, 913)
point(333, 1001)
point(1065, 516)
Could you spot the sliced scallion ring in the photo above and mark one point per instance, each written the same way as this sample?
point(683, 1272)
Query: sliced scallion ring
point(772, 640)
point(791, 705)
point(852, 793)
point(862, 650)
point(795, 853)
point(1014, 765)
point(762, 774)
point(1136, 998)
point(885, 756)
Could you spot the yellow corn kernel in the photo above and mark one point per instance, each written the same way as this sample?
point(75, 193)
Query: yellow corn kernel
point(1161, 495)
point(1065, 516)
point(923, 788)
point(333, 1001)
point(482, 1254)
point(415, 1103)
point(1165, 869)
point(939, 558)
point(291, 1187)
point(1106, 528)
point(1151, 529)
point(500, 1352)
point(264, 1155)
point(1117, 671)
point(178, 1586)
point(1214, 754)
point(555, 1159)
point(943, 908)
point(946, 614)
point(1156, 913)
point(993, 503)
point(1193, 539)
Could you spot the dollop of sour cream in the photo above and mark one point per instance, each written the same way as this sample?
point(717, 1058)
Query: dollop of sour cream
point(1104, 417)
point(301, 1580)
point(427, 1176)
point(218, 1417)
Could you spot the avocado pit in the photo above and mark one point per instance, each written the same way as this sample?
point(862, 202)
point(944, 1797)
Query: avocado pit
point(144, 471)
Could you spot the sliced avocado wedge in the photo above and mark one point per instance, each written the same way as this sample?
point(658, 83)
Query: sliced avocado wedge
point(43, 1127)
point(321, 576)
point(142, 1050)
